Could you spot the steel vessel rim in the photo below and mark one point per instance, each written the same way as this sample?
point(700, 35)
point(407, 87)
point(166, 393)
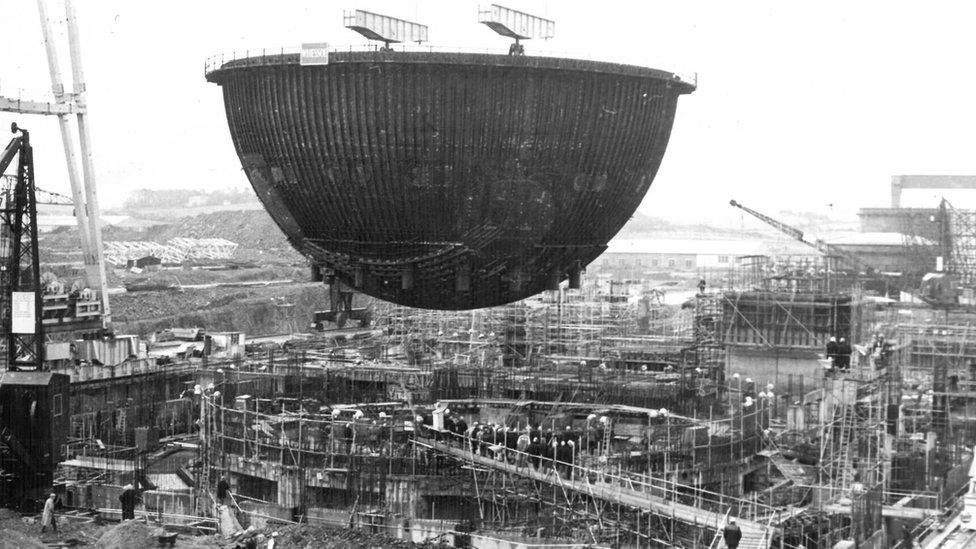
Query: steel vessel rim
point(217, 66)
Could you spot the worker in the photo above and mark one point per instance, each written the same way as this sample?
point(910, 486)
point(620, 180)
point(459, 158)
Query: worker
point(223, 489)
point(844, 355)
point(47, 516)
point(701, 286)
point(732, 534)
point(535, 453)
point(522, 446)
point(128, 499)
point(832, 351)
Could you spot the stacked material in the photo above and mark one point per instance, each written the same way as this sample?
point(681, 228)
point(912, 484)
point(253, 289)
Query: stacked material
point(174, 252)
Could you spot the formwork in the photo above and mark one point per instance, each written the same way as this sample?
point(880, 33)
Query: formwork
point(795, 320)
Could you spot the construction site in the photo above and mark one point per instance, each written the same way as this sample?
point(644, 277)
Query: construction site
point(464, 365)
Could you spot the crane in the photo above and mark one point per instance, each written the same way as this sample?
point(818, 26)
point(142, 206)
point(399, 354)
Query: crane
point(43, 196)
point(936, 288)
point(819, 245)
point(68, 105)
point(20, 283)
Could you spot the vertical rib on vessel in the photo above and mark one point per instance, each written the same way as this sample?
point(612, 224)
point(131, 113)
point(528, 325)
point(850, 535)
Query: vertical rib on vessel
point(449, 181)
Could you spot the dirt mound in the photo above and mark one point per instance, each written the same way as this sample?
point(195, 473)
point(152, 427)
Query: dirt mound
point(12, 539)
point(200, 542)
point(302, 536)
point(129, 535)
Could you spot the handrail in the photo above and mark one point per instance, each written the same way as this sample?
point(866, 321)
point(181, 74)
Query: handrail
point(153, 514)
point(667, 490)
point(262, 56)
point(718, 530)
point(767, 537)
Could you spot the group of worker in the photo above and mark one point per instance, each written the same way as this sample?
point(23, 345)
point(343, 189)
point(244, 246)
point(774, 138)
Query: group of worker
point(557, 454)
point(481, 437)
point(530, 445)
point(880, 349)
point(839, 354)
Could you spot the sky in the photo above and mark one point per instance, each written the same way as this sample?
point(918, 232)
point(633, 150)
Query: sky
point(807, 106)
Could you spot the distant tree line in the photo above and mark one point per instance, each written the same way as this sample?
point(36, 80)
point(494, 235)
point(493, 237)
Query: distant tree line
point(181, 198)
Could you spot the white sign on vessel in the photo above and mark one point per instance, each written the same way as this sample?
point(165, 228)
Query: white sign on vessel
point(314, 54)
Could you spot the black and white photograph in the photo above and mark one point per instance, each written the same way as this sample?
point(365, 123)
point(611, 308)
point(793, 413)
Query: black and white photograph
point(544, 274)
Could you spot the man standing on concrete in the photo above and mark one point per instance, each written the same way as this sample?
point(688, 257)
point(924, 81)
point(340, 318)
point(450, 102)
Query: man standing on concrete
point(47, 516)
point(732, 534)
point(128, 500)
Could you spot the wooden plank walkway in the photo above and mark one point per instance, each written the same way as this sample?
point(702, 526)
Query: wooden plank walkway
point(614, 493)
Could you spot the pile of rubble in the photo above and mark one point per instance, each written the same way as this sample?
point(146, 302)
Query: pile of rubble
point(133, 534)
point(306, 536)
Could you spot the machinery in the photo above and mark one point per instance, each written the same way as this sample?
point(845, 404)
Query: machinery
point(936, 289)
point(341, 309)
point(71, 105)
point(20, 280)
point(516, 24)
point(33, 403)
point(827, 249)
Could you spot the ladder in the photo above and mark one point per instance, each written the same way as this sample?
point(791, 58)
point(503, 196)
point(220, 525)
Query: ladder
point(841, 463)
point(847, 441)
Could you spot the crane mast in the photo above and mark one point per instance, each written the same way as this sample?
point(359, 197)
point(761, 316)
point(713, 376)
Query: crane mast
point(20, 285)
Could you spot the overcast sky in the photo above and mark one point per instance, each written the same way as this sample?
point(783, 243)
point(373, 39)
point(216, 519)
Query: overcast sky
point(799, 106)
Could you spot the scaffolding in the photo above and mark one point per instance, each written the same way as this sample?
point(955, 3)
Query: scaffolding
point(794, 320)
point(282, 422)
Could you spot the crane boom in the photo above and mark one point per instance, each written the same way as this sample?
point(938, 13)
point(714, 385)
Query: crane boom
point(10, 151)
point(44, 196)
point(783, 227)
point(797, 234)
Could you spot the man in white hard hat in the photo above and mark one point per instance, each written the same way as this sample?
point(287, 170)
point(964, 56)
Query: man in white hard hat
point(732, 534)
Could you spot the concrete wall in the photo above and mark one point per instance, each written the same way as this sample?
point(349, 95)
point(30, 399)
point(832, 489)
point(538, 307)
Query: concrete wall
point(421, 530)
point(775, 366)
point(153, 501)
point(115, 401)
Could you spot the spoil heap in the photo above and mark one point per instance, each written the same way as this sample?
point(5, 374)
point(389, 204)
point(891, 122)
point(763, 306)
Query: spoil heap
point(304, 536)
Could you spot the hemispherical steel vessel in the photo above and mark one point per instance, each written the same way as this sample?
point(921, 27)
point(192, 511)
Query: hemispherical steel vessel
point(448, 180)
